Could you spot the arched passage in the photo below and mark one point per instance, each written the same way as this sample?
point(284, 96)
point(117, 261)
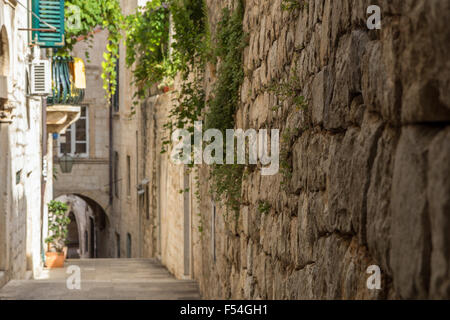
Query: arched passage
point(73, 238)
point(89, 230)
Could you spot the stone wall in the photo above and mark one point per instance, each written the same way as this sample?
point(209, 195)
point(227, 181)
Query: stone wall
point(164, 226)
point(369, 158)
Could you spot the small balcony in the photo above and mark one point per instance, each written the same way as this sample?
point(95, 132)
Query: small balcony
point(69, 85)
point(69, 81)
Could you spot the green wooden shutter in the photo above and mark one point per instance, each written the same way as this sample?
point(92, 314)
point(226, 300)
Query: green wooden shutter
point(52, 12)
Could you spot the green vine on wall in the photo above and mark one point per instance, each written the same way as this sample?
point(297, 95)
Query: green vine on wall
point(226, 179)
point(191, 51)
point(290, 5)
point(187, 57)
point(93, 13)
point(147, 40)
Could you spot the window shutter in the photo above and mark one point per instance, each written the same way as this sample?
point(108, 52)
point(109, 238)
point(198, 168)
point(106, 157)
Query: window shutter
point(52, 12)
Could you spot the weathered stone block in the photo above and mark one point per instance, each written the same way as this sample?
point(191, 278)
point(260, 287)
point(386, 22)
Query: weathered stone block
point(351, 159)
point(378, 222)
point(321, 95)
point(410, 229)
point(438, 194)
point(347, 71)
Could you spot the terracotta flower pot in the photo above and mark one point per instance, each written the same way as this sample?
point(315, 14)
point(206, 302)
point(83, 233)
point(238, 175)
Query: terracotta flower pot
point(54, 260)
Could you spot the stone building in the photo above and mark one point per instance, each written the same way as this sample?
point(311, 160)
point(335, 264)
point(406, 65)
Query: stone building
point(126, 175)
point(368, 161)
point(105, 170)
point(87, 143)
point(25, 151)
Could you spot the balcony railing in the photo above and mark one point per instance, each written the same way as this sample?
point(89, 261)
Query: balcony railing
point(66, 87)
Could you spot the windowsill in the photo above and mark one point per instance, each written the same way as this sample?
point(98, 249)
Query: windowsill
point(86, 161)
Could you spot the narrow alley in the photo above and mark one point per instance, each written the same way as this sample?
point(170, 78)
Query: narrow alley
point(225, 149)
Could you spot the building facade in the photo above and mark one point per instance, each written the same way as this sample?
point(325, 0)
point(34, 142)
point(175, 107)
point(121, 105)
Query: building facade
point(87, 143)
point(25, 152)
point(366, 160)
point(26, 146)
point(103, 146)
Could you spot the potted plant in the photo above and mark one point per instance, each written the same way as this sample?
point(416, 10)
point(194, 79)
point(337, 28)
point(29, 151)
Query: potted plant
point(58, 228)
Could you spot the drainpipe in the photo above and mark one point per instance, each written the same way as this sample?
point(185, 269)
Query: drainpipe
point(111, 157)
point(43, 179)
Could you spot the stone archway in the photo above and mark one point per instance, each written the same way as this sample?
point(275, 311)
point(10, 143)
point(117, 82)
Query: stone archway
point(92, 228)
point(101, 199)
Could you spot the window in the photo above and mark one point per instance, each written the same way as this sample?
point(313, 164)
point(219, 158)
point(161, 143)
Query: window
point(18, 176)
point(52, 12)
point(128, 176)
point(117, 245)
point(75, 141)
point(128, 245)
point(116, 174)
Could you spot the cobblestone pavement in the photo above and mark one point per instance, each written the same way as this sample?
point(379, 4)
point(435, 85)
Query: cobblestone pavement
point(128, 279)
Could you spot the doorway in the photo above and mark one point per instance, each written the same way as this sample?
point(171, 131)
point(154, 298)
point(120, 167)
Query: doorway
point(73, 246)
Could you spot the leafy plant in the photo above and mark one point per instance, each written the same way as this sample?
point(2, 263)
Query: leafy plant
point(191, 46)
point(231, 41)
point(58, 225)
point(290, 5)
point(290, 90)
point(264, 207)
point(147, 41)
point(96, 13)
point(191, 52)
point(55, 173)
point(285, 155)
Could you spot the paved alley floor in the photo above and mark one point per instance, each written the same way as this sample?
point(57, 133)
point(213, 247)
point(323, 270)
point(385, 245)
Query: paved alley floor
point(114, 279)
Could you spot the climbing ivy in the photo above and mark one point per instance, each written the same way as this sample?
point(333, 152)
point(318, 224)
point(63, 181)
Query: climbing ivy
point(227, 179)
point(191, 52)
point(290, 5)
point(93, 13)
point(147, 40)
point(113, 21)
point(191, 39)
point(264, 207)
point(290, 91)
